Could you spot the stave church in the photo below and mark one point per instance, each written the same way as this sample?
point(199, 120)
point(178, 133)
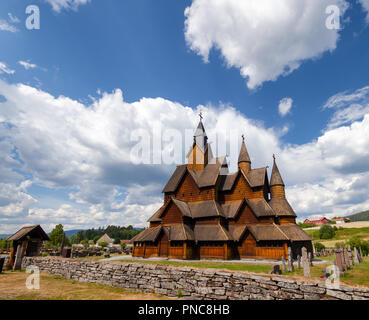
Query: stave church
point(209, 213)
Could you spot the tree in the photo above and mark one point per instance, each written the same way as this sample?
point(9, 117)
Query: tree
point(74, 239)
point(103, 244)
point(359, 243)
point(56, 236)
point(326, 232)
point(319, 246)
point(3, 243)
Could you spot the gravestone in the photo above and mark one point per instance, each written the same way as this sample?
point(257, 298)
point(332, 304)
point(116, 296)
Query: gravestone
point(290, 260)
point(350, 256)
point(310, 259)
point(305, 262)
point(339, 260)
point(361, 254)
point(356, 256)
point(346, 259)
point(275, 269)
point(298, 261)
point(284, 264)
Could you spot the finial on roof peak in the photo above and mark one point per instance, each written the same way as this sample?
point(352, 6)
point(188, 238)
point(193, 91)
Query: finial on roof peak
point(200, 115)
point(243, 138)
point(273, 156)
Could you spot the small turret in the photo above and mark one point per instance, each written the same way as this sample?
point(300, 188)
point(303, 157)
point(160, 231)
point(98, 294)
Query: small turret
point(244, 161)
point(277, 186)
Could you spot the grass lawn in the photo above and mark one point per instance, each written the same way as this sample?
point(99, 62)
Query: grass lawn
point(341, 235)
point(12, 287)
point(236, 266)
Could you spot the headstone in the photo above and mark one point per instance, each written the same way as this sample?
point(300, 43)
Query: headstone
point(345, 253)
point(298, 261)
point(276, 269)
point(284, 264)
point(339, 261)
point(361, 254)
point(351, 257)
point(290, 260)
point(305, 262)
point(310, 259)
point(356, 256)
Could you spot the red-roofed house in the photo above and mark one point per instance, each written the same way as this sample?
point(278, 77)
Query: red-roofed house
point(322, 220)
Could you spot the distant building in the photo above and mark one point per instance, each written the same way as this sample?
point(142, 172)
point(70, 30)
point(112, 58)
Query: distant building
point(319, 221)
point(127, 242)
point(107, 239)
point(341, 220)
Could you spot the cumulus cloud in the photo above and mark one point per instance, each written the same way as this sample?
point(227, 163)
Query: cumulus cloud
point(6, 26)
point(27, 65)
point(86, 150)
point(13, 19)
point(59, 5)
point(285, 106)
point(348, 107)
point(264, 39)
point(365, 5)
point(4, 69)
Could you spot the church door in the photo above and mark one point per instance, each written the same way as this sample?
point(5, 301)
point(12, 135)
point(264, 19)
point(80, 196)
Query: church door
point(163, 245)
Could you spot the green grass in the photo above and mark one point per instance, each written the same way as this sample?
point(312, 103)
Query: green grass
point(235, 266)
point(341, 234)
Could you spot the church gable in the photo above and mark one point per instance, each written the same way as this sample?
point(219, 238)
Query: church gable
point(245, 215)
point(241, 189)
point(171, 214)
point(189, 191)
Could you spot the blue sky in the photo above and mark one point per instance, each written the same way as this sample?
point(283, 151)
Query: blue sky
point(140, 56)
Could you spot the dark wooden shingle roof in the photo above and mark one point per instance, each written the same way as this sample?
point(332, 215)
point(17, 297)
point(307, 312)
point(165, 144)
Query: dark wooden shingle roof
point(260, 207)
point(32, 231)
point(266, 232)
point(281, 207)
point(211, 233)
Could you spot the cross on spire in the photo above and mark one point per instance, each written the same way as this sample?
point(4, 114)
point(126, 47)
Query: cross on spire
point(243, 137)
point(200, 115)
point(274, 156)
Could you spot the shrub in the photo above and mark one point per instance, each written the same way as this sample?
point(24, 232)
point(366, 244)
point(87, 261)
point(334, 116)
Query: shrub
point(103, 244)
point(319, 246)
point(326, 232)
point(359, 243)
point(339, 245)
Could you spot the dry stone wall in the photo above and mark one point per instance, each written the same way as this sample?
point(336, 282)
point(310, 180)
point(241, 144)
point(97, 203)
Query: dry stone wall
point(194, 283)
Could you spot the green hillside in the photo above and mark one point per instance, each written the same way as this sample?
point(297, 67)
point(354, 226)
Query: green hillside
point(361, 216)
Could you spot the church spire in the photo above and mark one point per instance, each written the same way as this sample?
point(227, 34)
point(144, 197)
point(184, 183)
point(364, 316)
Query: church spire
point(276, 182)
point(244, 161)
point(199, 155)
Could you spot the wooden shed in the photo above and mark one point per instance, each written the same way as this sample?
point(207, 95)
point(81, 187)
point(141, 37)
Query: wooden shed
point(26, 242)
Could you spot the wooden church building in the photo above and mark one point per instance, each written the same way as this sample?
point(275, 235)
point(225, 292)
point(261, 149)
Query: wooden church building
point(209, 213)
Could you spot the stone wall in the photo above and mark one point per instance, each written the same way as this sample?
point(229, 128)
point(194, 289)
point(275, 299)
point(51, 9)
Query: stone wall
point(194, 283)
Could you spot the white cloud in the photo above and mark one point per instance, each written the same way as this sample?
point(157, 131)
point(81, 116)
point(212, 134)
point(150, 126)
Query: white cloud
point(5, 26)
point(59, 5)
point(349, 107)
point(365, 5)
point(285, 106)
point(264, 39)
point(13, 19)
point(27, 65)
point(85, 149)
point(4, 69)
